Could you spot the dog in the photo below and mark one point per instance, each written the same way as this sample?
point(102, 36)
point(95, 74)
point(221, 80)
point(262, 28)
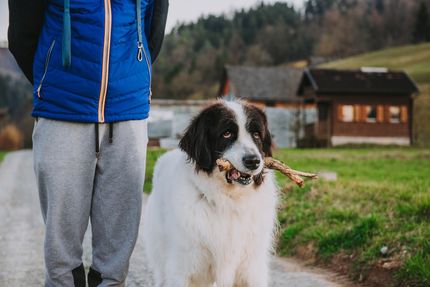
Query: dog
point(203, 227)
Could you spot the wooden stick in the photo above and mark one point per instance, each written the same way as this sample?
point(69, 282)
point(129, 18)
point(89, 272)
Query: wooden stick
point(271, 163)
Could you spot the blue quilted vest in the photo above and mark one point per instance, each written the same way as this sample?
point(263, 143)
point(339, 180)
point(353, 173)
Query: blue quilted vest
point(92, 63)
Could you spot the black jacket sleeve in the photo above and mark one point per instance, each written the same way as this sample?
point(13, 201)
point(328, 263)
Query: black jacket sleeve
point(158, 27)
point(25, 23)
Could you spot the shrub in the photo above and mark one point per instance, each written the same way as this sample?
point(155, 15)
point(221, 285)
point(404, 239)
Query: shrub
point(10, 138)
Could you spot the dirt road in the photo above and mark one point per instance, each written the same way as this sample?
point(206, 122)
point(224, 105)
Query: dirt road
point(21, 238)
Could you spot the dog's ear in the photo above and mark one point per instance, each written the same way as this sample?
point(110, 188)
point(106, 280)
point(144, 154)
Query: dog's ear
point(197, 145)
point(267, 142)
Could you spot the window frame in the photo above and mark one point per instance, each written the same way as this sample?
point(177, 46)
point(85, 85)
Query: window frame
point(390, 114)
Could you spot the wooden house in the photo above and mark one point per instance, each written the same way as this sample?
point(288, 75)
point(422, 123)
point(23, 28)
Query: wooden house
point(273, 89)
point(365, 106)
point(262, 86)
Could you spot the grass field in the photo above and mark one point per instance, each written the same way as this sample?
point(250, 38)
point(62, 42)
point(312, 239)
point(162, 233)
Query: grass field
point(415, 60)
point(381, 198)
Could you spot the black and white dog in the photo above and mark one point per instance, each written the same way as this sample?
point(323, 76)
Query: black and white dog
point(204, 227)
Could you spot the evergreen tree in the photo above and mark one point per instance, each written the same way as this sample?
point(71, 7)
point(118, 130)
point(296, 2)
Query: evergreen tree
point(422, 24)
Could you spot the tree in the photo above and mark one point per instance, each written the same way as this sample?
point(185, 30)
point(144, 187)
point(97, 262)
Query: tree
point(422, 24)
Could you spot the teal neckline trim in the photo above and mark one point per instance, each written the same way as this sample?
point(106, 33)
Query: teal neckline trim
point(67, 36)
point(139, 30)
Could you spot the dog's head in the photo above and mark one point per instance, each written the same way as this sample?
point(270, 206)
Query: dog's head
point(235, 131)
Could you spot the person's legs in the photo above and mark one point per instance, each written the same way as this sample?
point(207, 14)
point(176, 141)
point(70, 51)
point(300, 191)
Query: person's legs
point(117, 201)
point(65, 163)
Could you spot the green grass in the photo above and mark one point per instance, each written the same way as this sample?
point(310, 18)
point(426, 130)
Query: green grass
point(414, 59)
point(152, 156)
point(381, 198)
point(2, 155)
point(416, 271)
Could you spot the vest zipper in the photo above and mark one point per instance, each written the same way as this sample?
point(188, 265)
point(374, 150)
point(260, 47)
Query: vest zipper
point(148, 64)
point(106, 56)
point(48, 58)
point(140, 46)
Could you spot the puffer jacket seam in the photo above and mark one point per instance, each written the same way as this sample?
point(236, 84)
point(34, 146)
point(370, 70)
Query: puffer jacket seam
point(88, 115)
point(66, 114)
point(133, 93)
point(79, 75)
point(129, 77)
point(68, 92)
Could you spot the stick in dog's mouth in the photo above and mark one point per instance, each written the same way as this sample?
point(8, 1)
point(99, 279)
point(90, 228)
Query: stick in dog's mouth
point(270, 163)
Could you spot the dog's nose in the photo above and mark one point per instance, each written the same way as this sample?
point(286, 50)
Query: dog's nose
point(251, 161)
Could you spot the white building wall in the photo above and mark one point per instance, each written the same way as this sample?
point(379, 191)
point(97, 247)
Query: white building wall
point(168, 123)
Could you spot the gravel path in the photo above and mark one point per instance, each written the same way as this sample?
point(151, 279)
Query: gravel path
point(21, 238)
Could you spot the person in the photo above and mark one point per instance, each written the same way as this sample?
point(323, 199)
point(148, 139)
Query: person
point(91, 65)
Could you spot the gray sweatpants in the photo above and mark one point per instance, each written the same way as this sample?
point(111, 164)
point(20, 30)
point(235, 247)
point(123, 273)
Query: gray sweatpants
point(76, 185)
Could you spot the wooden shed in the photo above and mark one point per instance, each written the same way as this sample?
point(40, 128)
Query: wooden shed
point(370, 105)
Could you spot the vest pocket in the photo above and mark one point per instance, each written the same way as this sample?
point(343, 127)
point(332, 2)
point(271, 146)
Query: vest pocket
point(47, 59)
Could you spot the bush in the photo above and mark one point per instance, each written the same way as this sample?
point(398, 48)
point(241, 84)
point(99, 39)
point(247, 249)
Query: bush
point(10, 138)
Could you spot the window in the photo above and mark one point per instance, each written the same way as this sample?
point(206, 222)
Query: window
point(394, 114)
point(323, 109)
point(346, 113)
point(371, 114)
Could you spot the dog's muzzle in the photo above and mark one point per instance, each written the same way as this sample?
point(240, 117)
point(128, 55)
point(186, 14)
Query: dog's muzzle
point(233, 175)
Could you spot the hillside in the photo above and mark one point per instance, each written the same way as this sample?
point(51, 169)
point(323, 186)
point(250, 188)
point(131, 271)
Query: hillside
point(415, 60)
point(194, 54)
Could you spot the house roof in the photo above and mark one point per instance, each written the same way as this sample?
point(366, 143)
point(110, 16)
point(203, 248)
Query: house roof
point(326, 81)
point(263, 83)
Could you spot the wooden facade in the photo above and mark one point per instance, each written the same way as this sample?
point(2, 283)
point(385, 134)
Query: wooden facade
point(369, 108)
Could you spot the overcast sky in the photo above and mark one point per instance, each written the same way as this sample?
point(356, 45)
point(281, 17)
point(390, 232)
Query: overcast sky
point(180, 10)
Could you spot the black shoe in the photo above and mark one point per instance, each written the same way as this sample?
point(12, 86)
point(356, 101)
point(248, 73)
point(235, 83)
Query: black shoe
point(79, 276)
point(94, 278)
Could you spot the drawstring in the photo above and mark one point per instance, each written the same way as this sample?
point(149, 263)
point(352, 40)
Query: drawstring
point(67, 34)
point(110, 133)
point(97, 139)
point(139, 31)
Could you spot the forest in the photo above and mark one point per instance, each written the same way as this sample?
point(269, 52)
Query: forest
point(194, 54)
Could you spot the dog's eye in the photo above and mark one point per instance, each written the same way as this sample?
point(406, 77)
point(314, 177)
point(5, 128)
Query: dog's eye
point(256, 135)
point(227, 135)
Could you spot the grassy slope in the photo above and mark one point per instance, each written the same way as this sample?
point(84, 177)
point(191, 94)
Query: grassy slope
point(381, 198)
point(415, 60)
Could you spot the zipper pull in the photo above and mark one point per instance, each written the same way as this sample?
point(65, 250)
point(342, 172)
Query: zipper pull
point(38, 91)
point(139, 51)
